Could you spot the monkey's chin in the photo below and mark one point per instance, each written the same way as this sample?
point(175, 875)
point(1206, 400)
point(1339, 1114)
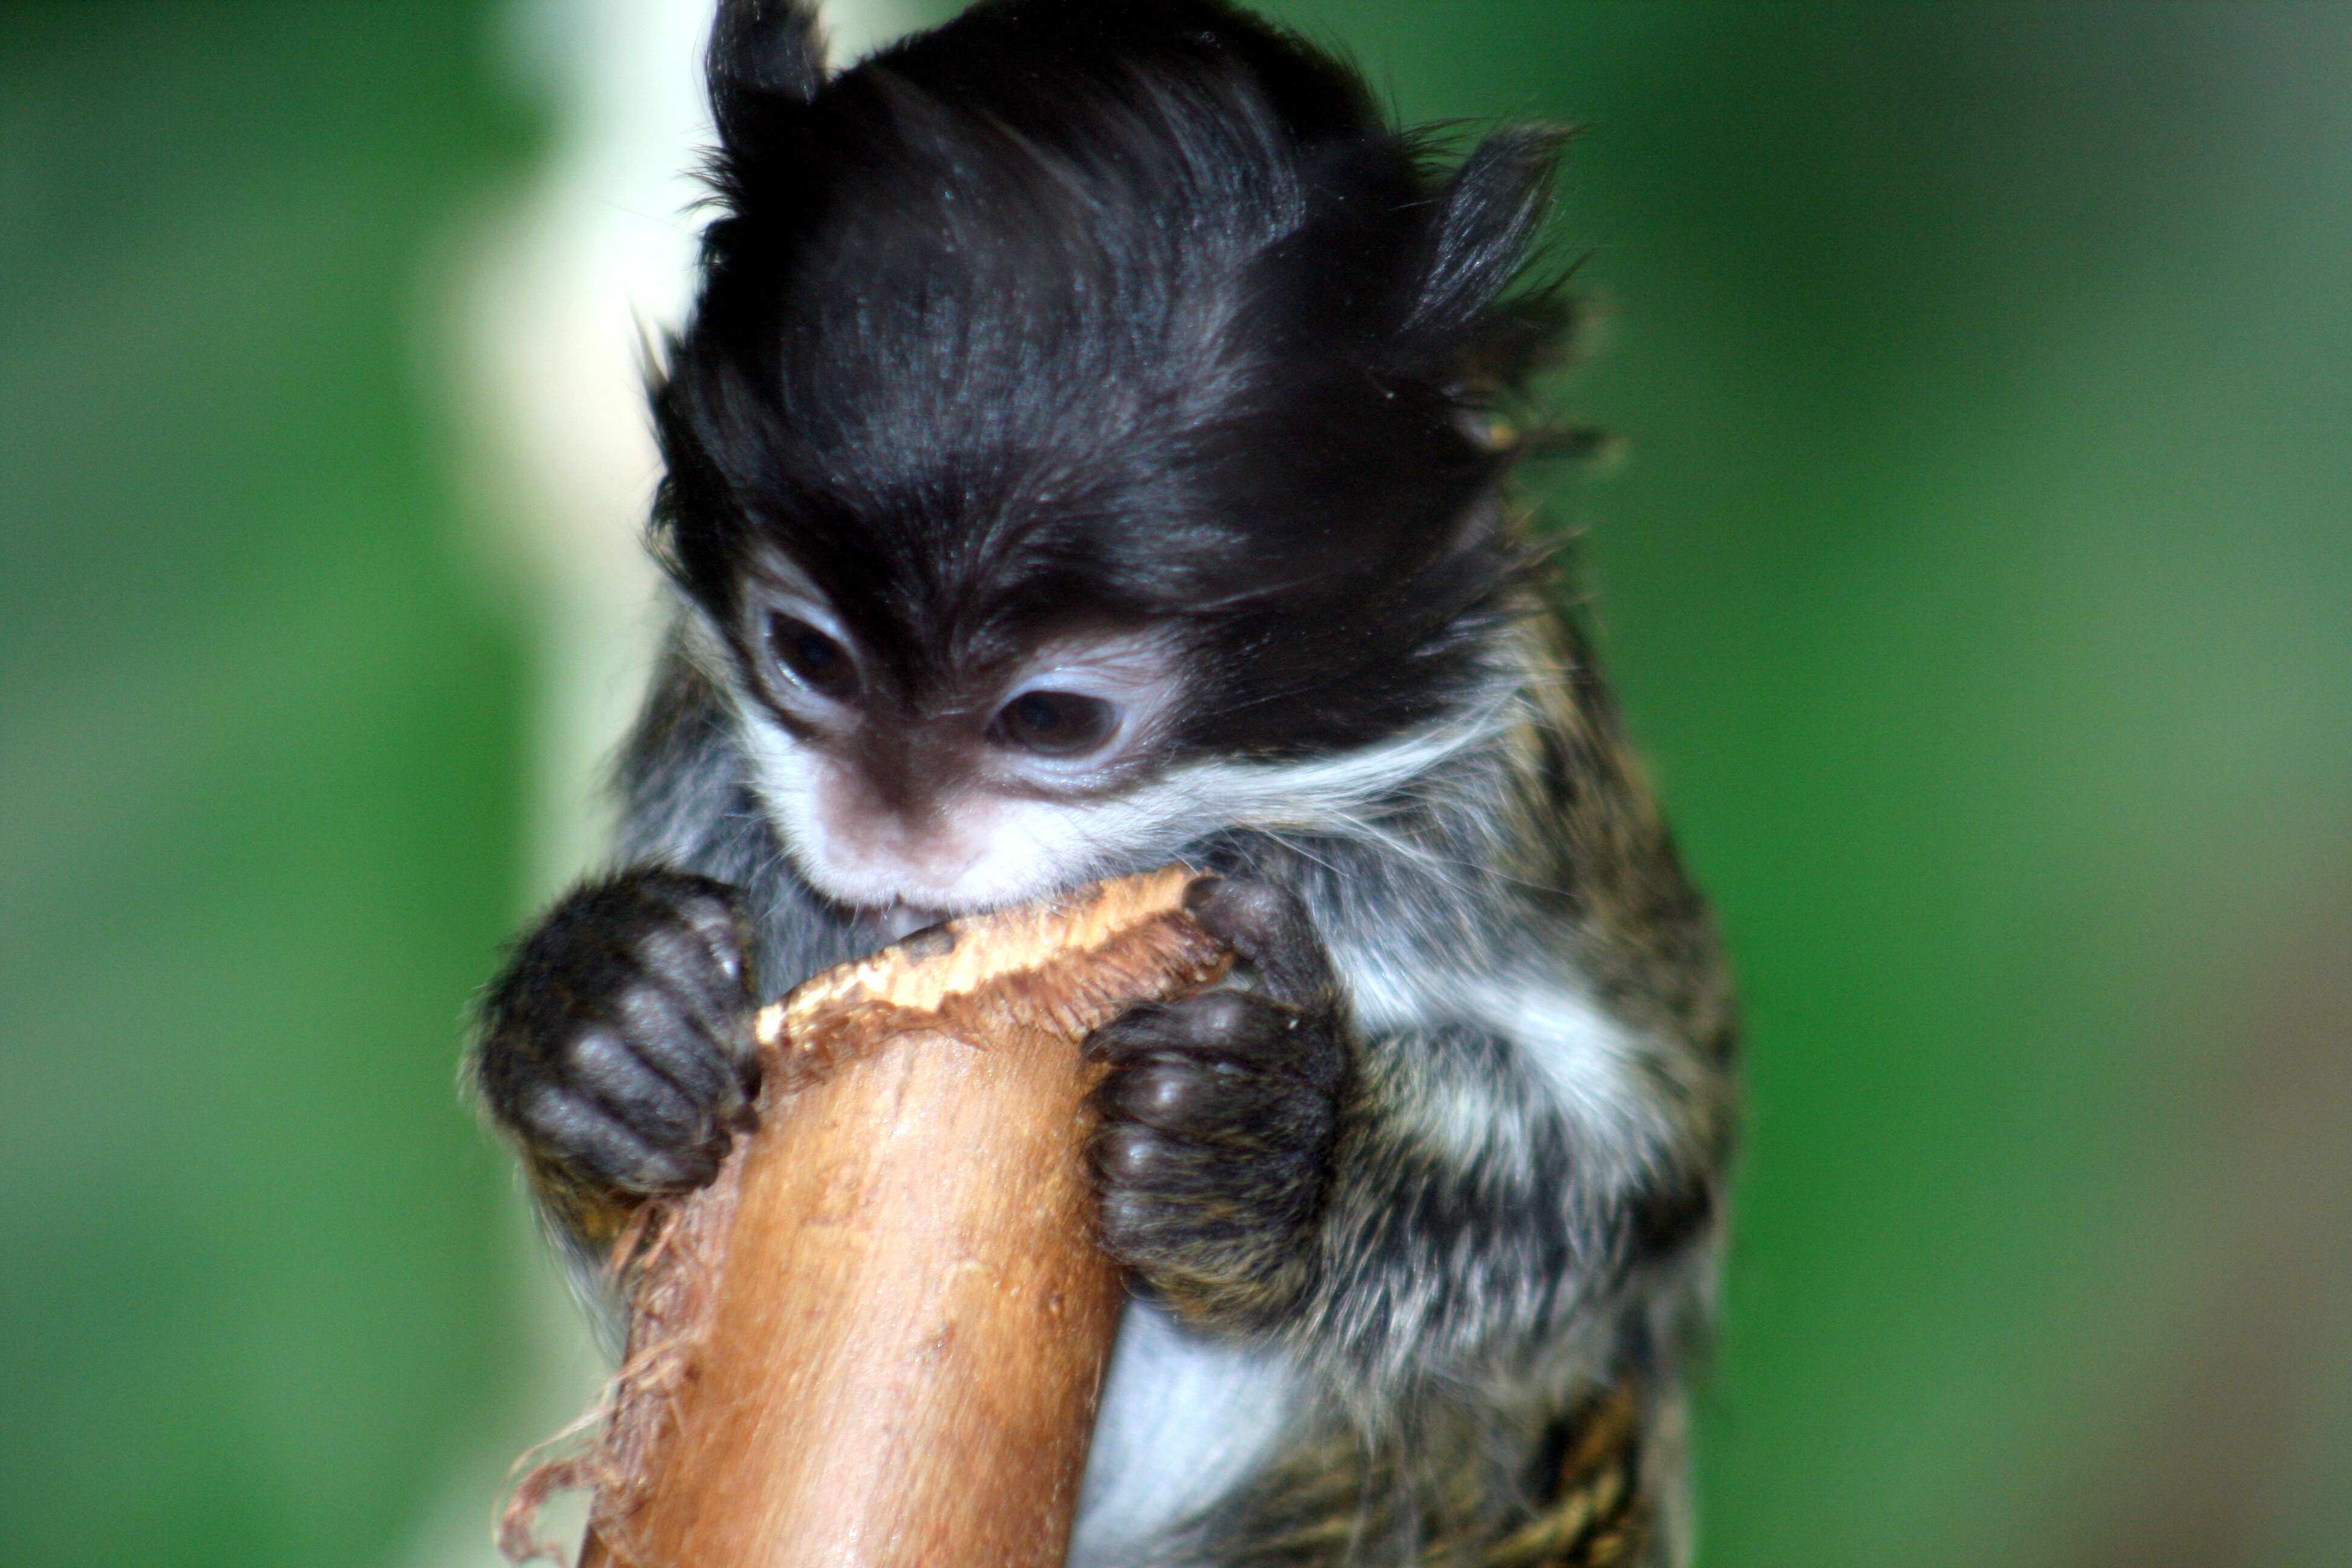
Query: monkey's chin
point(899, 922)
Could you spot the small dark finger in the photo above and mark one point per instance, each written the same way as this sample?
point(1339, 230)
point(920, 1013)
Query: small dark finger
point(1239, 1024)
point(1131, 1156)
point(588, 1137)
point(657, 1026)
point(1138, 1030)
point(1198, 1101)
point(712, 993)
point(713, 920)
point(633, 1093)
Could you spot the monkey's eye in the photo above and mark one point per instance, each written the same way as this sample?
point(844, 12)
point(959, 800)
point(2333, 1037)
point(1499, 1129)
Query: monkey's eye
point(813, 659)
point(1055, 723)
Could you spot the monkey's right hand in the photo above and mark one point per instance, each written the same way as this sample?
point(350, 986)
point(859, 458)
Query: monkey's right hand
point(617, 1047)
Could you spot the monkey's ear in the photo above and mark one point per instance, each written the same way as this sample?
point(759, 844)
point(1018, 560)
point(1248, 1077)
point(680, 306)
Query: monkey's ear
point(766, 56)
point(1462, 333)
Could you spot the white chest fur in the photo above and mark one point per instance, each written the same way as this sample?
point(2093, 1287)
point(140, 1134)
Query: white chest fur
point(1182, 1419)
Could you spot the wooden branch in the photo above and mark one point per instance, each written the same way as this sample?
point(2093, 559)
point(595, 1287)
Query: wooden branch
point(878, 1339)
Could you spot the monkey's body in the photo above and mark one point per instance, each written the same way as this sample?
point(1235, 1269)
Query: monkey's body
point(1428, 1212)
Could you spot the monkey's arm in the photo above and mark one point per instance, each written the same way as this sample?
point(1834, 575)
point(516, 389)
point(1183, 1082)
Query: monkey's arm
point(1397, 1201)
point(1502, 1110)
point(1481, 1199)
point(1541, 1117)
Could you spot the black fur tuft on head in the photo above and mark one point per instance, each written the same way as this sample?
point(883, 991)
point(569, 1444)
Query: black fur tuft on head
point(766, 61)
point(1124, 313)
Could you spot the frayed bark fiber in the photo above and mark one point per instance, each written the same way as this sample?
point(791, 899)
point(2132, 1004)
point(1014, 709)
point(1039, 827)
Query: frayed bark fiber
point(878, 1337)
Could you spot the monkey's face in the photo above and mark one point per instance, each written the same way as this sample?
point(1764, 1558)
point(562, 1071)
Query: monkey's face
point(991, 770)
point(1072, 455)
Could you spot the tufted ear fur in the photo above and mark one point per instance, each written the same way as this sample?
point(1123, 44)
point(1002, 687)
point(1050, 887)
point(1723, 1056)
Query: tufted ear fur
point(1462, 333)
point(766, 61)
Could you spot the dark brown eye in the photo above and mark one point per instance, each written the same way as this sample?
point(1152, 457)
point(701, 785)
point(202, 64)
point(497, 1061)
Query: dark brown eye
point(813, 659)
point(1056, 723)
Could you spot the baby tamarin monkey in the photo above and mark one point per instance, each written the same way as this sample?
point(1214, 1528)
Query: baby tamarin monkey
point(1084, 455)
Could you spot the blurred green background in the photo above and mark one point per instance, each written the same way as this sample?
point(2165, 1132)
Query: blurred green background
point(1979, 575)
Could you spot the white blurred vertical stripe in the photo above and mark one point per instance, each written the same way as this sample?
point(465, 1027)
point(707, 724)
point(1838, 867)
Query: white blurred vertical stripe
point(541, 309)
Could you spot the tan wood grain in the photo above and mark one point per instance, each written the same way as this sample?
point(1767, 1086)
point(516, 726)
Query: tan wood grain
point(878, 1339)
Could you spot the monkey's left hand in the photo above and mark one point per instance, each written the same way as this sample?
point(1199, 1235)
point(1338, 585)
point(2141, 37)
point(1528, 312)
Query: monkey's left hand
point(1219, 1116)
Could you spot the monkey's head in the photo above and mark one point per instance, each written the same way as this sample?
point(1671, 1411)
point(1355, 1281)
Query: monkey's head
point(1078, 449)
